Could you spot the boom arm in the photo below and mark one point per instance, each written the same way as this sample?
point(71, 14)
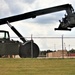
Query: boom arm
point(17, 33)
point(33, 14)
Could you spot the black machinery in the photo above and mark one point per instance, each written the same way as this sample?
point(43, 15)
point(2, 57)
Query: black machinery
point(29, 48)
point(9, 47)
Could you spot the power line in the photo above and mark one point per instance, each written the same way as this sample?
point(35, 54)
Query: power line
point(46, 37)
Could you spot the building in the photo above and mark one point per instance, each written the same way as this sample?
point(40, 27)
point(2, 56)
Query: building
point(57, 54)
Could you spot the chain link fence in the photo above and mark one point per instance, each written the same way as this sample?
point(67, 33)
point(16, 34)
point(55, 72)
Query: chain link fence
point(60, 46)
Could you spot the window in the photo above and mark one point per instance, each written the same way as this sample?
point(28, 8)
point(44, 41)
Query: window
point(2, 34)
point(7, 36)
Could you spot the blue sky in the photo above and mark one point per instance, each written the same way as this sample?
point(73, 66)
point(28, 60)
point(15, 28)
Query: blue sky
point(42, 26)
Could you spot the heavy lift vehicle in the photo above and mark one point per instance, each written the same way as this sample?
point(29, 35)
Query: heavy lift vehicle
point(28, 48)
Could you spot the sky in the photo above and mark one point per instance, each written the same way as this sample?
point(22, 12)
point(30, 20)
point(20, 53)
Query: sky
point(41, 26)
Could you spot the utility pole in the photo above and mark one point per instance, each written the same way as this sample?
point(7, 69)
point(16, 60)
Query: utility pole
point(54, 47)
point(69, 50)
point(62, 48)
point(31, 47)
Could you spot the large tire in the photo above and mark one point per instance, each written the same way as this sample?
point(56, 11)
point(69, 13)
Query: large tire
point(25, 50)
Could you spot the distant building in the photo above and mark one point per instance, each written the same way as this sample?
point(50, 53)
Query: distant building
point(71, 55)
point(57, 54)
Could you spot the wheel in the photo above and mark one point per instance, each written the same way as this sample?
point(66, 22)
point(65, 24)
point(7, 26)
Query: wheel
point(25, 50)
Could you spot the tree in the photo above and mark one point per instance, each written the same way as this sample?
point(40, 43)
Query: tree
point(72, 51)
point(49, 51)
point(43, 52)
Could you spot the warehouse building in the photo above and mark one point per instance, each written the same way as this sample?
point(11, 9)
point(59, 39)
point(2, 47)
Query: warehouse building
point(57, 54)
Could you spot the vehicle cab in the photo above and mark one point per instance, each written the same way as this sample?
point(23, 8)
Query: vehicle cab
point(4, 35)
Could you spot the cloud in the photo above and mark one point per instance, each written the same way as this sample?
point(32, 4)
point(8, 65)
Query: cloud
point(19, 6)
point(49, 18)
point(40, 26)
point(15, 6)
point(29, 1)
point(4, 9)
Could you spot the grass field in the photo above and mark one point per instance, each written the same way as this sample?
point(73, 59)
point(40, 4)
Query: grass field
point(34, 66)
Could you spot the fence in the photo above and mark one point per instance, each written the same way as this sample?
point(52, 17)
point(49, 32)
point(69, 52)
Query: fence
point(53, 43)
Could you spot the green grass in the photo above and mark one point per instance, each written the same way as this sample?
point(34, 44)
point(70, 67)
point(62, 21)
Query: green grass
point(34, 66)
